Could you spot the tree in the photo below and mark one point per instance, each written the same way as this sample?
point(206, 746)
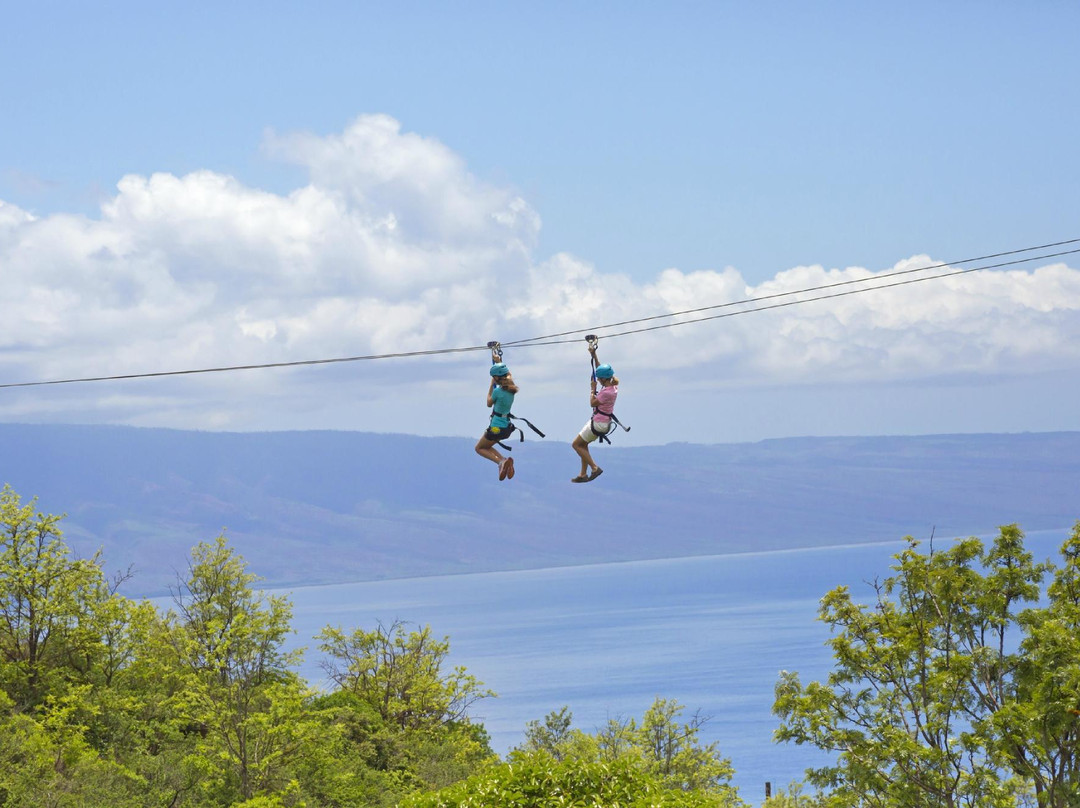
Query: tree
point(552, 736)
point(406, 715)
point(1038, 731)
point(675, 752)
point(669, 751)
point(793, 797)
point(234, 694)
point(108, 701)
point(50, 631)
point(45, 762)
point(65, 648)
point(946, 691)
point(537, 780)
point(399, 673)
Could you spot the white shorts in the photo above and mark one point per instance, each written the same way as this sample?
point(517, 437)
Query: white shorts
point(587, 434)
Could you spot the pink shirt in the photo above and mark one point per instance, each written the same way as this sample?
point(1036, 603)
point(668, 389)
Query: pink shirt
point(606, 397)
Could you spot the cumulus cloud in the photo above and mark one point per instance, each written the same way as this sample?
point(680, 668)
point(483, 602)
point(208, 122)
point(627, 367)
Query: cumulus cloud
point(393, 246)
point(984, 322)
point(414, 188)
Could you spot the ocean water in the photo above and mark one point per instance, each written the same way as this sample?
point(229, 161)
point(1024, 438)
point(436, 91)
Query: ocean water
point(712, 632)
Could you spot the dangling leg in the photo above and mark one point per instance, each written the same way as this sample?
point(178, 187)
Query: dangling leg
point(582, 448)
point(486, 448)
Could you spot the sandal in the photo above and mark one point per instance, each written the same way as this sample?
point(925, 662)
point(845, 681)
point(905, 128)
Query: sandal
point(509, 468)
point(596, 474)
point(581, 478)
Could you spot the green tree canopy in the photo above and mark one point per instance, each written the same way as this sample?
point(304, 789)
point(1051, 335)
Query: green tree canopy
point(53, 620)
point(406, 715)
point(956, 687)
point(537, 780)
point(665, 749)
point(400, 674)
point(109, 701)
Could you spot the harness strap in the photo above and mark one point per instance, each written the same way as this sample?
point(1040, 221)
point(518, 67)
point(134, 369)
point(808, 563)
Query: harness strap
point(602, 436)
point(513, 417)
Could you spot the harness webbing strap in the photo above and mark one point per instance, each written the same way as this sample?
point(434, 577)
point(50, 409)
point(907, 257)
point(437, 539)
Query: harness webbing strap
point(521, 435)
point(528, 422)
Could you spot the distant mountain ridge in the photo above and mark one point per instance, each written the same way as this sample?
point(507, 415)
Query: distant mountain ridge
point(322, 507)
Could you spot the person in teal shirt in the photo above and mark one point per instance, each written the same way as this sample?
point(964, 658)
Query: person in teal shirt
point(500, 398)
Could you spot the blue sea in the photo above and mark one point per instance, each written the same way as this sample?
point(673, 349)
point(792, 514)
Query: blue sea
point(712, 632)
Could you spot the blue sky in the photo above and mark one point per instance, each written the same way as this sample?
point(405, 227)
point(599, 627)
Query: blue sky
point(639, 159)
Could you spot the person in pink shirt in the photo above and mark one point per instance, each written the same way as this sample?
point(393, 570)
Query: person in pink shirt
point(603, 404)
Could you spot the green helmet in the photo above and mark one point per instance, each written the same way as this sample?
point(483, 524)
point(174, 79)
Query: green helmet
point(604, 372)
point(500, 370)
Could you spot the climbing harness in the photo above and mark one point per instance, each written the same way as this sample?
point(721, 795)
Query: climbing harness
point(496, 353)
point(593, 342)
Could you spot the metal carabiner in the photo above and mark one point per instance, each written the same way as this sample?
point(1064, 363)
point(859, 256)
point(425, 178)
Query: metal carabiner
point(496, 348)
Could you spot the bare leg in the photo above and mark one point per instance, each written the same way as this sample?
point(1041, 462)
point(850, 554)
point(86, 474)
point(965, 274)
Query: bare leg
point(582, 448)
point(486, 448)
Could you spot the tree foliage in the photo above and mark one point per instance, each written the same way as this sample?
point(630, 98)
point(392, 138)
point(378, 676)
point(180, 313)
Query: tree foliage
point(666, 752)
point(959, 687)
point(109, 701)
point(399, 673)
point(793, 797)
point(535, 779)
point(392, 680)
point(238, 700)
point(54, 609)
point(956, 687)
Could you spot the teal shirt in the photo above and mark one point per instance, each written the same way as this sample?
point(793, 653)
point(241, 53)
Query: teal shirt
point(504, 403)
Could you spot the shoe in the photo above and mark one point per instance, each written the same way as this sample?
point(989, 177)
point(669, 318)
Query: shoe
point(509, 468)
point(581, 478)
point(503, 468)
point(596, 474)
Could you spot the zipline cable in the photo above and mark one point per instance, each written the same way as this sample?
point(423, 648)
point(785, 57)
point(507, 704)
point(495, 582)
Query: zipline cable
point(249, 367)
point(553, 339)
point(524, 342)
point(531, 343)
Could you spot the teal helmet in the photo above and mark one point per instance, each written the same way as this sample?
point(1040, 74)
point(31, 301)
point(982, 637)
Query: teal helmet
point(604, 372)
point(500, 370)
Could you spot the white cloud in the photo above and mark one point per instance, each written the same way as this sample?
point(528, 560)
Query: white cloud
point(982, 322)
point(415, 187)
point(394, 246)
